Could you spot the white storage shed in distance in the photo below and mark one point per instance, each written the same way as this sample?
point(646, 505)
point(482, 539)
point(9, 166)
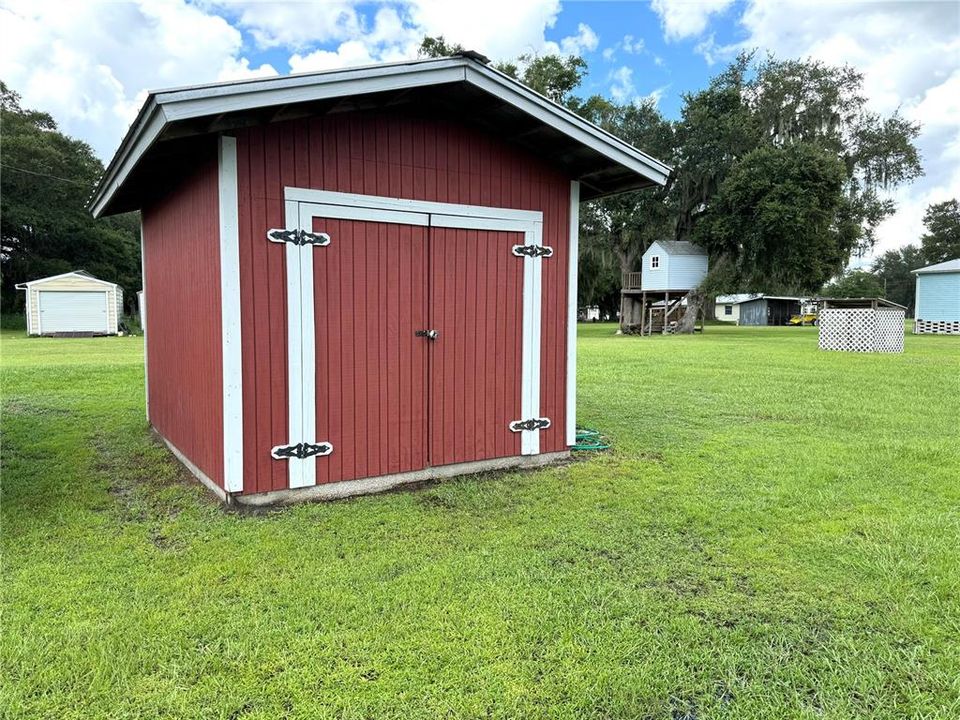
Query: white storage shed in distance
point(861, 325)
point(73, 303)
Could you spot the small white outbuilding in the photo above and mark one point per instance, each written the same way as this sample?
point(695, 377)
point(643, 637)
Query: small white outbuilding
point(72, 303)
point(861, 325)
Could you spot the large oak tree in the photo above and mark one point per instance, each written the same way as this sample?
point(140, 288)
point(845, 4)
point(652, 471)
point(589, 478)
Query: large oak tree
point(772, 146)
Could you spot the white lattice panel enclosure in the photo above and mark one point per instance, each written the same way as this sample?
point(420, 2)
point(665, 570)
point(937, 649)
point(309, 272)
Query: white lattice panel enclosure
point(861, 330)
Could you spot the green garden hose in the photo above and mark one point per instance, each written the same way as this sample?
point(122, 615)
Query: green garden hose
point(588, 439)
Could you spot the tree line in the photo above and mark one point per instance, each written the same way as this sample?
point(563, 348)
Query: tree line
point(780, 173)
point(46, 179)
point(890, 275)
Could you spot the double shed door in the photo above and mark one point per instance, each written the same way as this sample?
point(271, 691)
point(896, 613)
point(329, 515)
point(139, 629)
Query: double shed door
point(422, 345)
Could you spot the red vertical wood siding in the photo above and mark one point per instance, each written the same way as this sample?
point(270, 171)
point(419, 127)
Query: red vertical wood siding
point(397, 156)
point(370, 295)
point(476, 304)
point(263, 300)
point(181, 240)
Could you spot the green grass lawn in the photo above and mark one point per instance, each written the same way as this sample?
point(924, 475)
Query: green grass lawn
point(776, 534)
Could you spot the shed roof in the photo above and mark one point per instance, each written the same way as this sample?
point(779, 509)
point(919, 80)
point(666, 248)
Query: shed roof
point(750, 297)
point(463, 87)
point(678, 247)
point(945, 267)
point(858, 302)
point(79, 273)
point(736, 298)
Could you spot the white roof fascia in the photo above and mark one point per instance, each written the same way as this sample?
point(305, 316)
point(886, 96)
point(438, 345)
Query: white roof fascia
point(565, 121)
point(320, 87)
point(654, 244)
point(40, 281)
point(140, 137)
point(948, 266)
point(167, 106)
point(186, 103)
point(311, 79)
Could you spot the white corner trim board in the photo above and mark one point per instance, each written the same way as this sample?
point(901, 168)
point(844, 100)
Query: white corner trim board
point(143, 323)
point(302, 206)
point(230, 316)
point(574, 250)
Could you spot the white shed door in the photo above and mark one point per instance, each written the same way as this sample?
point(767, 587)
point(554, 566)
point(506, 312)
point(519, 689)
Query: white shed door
point(73, 312)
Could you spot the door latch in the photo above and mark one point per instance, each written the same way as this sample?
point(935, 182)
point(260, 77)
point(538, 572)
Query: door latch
point(428, 334)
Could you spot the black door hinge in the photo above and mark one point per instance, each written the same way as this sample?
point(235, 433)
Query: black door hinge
point(298, 237)
point(533, 251)
point(531, 424)
point(301, 450)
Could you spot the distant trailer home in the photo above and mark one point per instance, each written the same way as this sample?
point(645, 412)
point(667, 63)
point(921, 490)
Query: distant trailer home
point(938, 299)
point(364, 277)
point(757, 309)
point(727, 307)
point(74, 303)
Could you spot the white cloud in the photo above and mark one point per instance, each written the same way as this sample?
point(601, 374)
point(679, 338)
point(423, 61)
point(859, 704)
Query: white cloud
point(682, 19)
point(90, 64)
point(349, 54)
point(622, 89)
point(909, 53)
point(388, 40)
point(629, 45)
point(655, 96)
point(239, 69)
point(632, 45)
point(712, 52)
point(294, 25)
point(497, 28)
point(584, 41)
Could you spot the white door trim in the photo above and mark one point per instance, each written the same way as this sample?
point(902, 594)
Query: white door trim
point(231, 347)
point(378, 202)
point(302, 205)
point(293, 267)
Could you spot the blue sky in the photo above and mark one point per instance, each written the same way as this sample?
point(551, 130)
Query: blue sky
point(629, 36)
point(658, 66)
point(90, 63)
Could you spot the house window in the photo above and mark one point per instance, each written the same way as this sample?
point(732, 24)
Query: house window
point(728, 309)
point(654, 262)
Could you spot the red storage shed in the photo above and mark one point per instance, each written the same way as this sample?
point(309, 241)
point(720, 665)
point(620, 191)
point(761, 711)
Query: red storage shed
point(364, 277)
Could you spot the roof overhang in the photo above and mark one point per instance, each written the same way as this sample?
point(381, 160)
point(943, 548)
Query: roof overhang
point(950, 266)
point(459, 86)
point(76, 273)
